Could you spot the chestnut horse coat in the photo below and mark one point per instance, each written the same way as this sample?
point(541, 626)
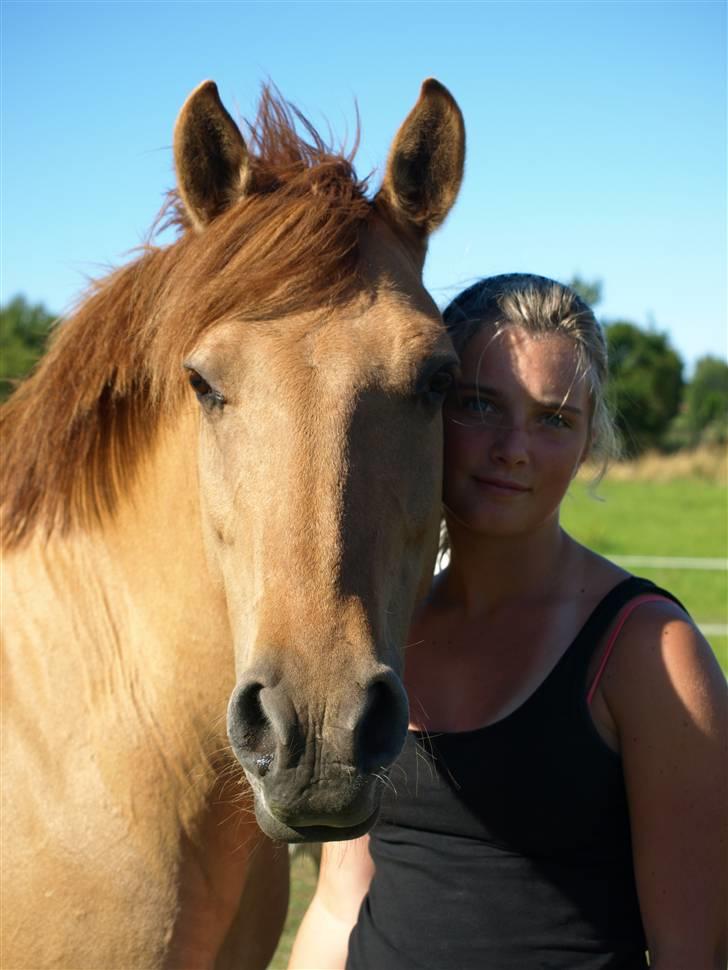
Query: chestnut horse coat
point(221, 494)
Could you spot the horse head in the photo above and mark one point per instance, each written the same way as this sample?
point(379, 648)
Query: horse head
point(319, 453)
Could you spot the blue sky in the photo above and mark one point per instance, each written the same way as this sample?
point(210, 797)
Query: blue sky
point(596, 133)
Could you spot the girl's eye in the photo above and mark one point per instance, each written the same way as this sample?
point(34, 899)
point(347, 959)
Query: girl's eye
point(479, 405)
point(555, 420)
point(474, 411)
point(206, 394)
point(479, 410)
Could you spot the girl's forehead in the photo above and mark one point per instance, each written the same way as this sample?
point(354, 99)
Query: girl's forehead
point(543, 364)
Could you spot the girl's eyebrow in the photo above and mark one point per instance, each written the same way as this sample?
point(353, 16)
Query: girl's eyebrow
point(555, 406)
point(558, 407)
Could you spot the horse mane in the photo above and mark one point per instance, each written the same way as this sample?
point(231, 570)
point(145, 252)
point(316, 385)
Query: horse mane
point(74, 432)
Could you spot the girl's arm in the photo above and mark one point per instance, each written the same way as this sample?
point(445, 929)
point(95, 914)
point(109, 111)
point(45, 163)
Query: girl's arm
point(323, 937)
point(667, 696)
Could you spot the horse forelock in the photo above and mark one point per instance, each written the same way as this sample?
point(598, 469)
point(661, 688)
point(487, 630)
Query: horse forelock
point(75, 431)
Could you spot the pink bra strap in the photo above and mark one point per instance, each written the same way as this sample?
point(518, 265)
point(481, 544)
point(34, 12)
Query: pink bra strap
point(622, 617)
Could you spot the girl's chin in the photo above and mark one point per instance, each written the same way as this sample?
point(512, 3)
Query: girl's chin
point(501, 522)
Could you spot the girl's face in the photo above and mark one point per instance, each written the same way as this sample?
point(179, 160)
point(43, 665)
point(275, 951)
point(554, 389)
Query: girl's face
point(516, 431)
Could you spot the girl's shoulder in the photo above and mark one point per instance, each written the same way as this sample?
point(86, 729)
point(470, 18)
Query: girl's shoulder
point(642, 611)
point(652, 652)
point(656, 638)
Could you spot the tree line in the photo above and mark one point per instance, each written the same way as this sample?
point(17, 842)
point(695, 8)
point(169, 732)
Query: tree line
point(655, 407)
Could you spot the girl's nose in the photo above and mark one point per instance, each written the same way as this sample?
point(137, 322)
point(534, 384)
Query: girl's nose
point(510, 446)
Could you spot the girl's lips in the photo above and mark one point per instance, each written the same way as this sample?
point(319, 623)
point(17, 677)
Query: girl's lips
point(502, 485)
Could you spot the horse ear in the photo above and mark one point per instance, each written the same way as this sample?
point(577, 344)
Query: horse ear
point(425, 165)
point(210, 156)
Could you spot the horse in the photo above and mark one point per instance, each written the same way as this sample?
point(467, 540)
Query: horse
point(220, 503)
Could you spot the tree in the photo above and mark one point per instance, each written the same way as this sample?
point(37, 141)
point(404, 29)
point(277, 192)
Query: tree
point(591, 293)
point(23, 333)
point(646, 383)
point(706, 396)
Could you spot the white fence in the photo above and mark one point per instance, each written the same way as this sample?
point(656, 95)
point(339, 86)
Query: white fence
point(672, 562)
point(681, 562)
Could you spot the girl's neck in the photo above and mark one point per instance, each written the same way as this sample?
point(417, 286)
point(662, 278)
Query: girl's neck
point(486, 572)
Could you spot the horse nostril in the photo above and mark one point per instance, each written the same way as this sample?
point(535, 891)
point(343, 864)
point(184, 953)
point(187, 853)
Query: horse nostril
point(249, 728)
point(382, 727)
point(251, 716)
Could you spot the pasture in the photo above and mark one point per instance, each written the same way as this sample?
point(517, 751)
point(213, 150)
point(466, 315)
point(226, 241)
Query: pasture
point(303, 883)
point(679, 518)
point(627, 515)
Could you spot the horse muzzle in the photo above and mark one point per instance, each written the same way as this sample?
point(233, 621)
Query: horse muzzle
point(341, 826)
point(317, 778)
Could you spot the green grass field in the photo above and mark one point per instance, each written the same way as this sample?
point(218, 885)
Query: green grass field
point(303, 883)
point(681, 518)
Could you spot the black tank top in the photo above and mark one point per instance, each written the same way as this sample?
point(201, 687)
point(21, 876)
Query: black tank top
point(508, 847)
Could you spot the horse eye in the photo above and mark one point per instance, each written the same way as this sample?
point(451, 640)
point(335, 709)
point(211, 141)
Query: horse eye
point(441, 383)
point(199, 384)
point(437, 387)
point(206, 394)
